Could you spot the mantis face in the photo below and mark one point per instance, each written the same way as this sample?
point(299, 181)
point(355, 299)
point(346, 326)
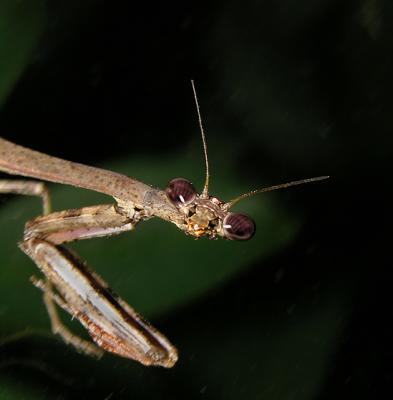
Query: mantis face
point(206, 215)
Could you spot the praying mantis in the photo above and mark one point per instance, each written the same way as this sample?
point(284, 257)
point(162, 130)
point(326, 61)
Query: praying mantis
point(113, 325)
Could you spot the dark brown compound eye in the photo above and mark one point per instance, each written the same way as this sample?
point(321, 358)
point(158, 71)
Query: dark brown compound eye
point(180, 191)
point(238, 227)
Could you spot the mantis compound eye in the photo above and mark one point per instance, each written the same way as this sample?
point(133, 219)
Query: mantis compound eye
point(238, 227)
point(180, 191)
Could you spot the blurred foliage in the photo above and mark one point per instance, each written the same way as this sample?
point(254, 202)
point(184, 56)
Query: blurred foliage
point(161, 272)
point(287, 90)
point(155, 266)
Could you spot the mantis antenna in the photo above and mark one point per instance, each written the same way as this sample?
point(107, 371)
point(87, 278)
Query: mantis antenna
point(271, 188)
point(205, 192)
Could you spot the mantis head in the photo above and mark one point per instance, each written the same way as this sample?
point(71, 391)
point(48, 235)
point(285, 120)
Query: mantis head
point(206, 215)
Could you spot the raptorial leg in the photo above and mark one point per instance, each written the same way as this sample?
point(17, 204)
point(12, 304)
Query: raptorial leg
point(41, 239)
point(36, 188)
point(50, 298)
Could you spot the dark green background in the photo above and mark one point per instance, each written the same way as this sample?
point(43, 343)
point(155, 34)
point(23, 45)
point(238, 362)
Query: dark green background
point(288, 90)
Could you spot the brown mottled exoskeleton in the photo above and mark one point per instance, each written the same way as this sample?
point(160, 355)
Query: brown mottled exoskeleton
point(113, 325)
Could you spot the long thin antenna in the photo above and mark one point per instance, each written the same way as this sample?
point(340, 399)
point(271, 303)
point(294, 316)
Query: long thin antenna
point(271, 188)
point(205, 191)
